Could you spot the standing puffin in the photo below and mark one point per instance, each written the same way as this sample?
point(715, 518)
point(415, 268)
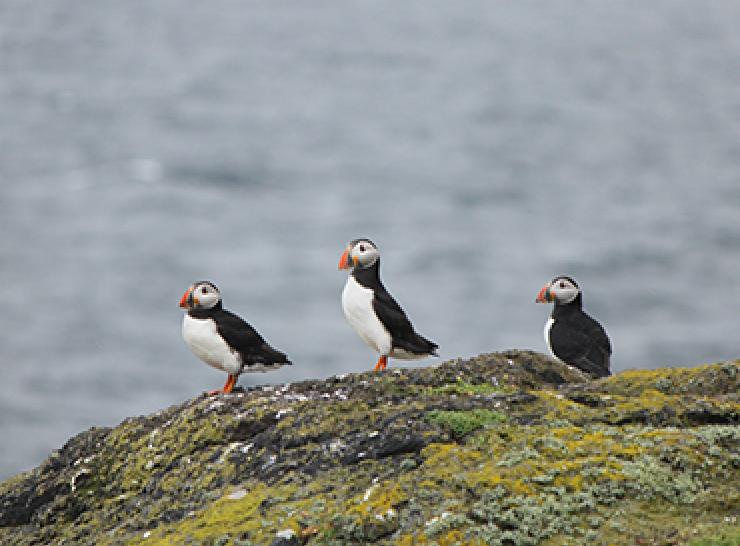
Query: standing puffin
point(372, 311)
point(223, 340)
point(572, 336)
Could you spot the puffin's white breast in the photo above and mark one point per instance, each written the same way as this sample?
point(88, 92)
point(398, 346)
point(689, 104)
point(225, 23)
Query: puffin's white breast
point(203, 339)
point(548, 327)
point(357, 304)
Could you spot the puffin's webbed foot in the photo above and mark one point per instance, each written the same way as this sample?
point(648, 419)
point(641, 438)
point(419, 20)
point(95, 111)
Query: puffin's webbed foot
point(382, 363)
point(228, 387)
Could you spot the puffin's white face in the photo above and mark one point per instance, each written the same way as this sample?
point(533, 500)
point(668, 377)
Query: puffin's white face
point(360, 252)
point(201, 295)
point(562, 290)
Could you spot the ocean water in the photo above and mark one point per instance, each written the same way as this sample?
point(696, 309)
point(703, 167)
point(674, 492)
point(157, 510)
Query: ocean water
point(485, 147)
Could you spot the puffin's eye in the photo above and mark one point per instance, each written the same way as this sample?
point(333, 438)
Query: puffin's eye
point(562, 284)
point(204, 290)
point(362, 248)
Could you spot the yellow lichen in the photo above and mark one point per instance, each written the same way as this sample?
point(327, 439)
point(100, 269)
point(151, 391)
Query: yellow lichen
point(224, 515)
point(377, 500)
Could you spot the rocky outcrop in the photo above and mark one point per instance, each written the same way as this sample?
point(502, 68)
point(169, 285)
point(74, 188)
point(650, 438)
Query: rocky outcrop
point(502, 449)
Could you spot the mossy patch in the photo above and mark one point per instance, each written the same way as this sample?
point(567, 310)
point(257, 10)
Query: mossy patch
point(462, 423)
point(477, 389)
point(728, 535)
point(708, 380)
point(233, 516)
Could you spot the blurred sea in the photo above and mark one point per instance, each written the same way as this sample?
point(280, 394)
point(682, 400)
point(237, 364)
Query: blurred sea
point(484, 146)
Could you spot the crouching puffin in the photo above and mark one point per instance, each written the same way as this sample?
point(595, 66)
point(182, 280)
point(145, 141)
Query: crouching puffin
point(223, 340)
point(572, 336)
point(372, 311)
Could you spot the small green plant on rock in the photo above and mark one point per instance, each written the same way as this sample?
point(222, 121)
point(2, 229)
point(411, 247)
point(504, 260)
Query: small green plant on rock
point(462, 423)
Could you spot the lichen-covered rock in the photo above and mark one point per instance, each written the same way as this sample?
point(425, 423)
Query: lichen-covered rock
point(502, 449)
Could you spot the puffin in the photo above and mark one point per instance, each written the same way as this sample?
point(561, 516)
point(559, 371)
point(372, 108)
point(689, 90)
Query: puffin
point(572, 336)
point(223, 340)
point(373, 313)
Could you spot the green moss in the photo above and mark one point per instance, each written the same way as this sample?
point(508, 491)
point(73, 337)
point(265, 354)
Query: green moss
point(729, 536)
point(465, 388)
point(462, 423)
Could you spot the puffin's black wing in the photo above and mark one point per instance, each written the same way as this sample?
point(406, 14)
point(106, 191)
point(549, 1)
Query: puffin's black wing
point(398, 324)
point(580, 341)
point(245, 339)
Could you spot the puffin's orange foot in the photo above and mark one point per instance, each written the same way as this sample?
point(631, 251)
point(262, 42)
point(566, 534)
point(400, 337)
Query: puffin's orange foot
point(382, 363)
point(228, 387)
point(230, 382)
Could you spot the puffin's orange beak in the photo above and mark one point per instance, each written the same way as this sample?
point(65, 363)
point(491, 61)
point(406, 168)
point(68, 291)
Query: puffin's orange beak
point(544, 295)
point(344, 260)
point(184, 301)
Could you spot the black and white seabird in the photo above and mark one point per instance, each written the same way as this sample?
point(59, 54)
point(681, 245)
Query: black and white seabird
point(373, 313)
point(223, 340)
point(573, 336)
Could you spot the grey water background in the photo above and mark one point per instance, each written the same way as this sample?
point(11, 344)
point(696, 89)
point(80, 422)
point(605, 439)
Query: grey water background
point(484, 146)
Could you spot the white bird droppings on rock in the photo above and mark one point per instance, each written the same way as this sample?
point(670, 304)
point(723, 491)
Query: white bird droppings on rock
point(368, 493)
point(336, 445)
point(238, 494)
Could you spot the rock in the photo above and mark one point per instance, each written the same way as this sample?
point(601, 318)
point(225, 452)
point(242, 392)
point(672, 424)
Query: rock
point(286, 537)
point(504, 448)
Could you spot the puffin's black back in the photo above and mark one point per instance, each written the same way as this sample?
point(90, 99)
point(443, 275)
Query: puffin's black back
point(579, 340)
point(390, 313)
point(241, 337)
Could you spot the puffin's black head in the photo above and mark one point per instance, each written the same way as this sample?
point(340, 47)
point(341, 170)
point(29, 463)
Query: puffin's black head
point(562, 290)
point(201, 295)
point(359, 253)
